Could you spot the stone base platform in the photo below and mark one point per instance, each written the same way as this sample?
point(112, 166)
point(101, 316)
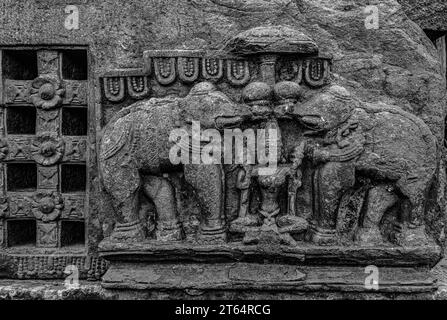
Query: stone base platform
point(237, 271)
point(56, 290)
point(304, 253)
point(263, 277)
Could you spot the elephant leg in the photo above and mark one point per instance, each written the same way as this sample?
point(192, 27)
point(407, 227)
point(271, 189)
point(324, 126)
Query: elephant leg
point(413, 226)
point(331, 181)
point(209, 184)
point(379, 200)
point(176, 181)
point(122, 182)
point(232, 199)
point(162, 194)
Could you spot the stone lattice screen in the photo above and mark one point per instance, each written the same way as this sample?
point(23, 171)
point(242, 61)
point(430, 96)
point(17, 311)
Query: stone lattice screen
point(43, 171)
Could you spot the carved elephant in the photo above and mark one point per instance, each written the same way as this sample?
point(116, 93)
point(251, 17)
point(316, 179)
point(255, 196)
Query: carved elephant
point(134, 155)
point(349, 141)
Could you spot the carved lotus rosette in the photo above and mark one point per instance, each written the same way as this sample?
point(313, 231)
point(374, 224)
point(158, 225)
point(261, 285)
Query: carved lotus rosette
point(46, 93)
point(3, 149)
point(47, 205)
point(47, 149)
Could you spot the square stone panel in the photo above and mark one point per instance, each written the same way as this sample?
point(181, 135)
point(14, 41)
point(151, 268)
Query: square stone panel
point(47, 234)
point(19, 205)
point(75, 92)
point(48, 62)
point(74, 206)
point(47, 177)
point(17, 91)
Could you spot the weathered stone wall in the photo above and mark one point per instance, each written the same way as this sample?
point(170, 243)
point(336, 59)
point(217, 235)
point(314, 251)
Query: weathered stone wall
point(430, 15)
point(395, 63)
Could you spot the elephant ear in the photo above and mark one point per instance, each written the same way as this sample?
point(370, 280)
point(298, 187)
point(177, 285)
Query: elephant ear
point(115, 137)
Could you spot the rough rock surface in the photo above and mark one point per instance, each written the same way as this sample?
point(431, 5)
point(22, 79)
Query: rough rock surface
point(429, 14)
point(395, 63)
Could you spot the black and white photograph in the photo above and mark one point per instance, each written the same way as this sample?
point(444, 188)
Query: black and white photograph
point(215, 157)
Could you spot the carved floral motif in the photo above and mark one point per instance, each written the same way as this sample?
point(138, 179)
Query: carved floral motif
point(47, 205)
point(46, 93)
point(47, 148)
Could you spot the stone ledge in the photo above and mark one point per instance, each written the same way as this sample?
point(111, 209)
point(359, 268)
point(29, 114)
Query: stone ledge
point(304, 253)
point(54, 290)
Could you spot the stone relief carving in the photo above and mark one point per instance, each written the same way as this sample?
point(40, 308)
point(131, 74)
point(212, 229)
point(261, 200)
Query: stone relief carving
point(46, 206)
point(124, 147)
point(47, 177)
point(3, 149)
point(373, 161)
point(350, 185)
point(47, 149)
point(84, 148)
point(75, 92)
point(46, 92)
point(17, 91)
point(370, 141)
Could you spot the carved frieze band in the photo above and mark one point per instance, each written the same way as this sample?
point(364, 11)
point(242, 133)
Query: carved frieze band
point(46, 206)
point(45, 149)
point(165, 67)
point(53, 266)
point(38, 91)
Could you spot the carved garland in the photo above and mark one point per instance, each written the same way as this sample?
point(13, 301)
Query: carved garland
point(166, 66)
point(137, 86)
